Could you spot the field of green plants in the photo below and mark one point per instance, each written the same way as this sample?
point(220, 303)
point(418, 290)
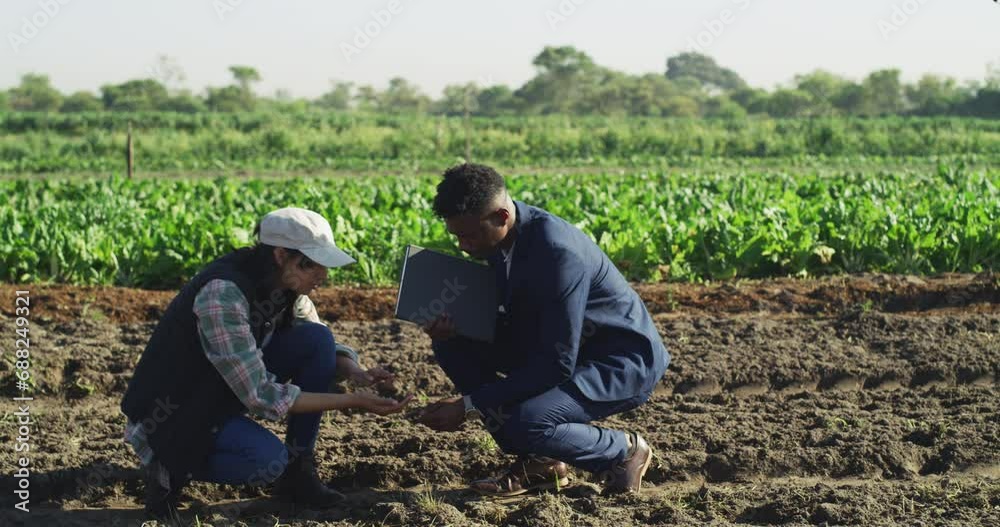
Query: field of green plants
point(681, 225)
point(666, 198)
point(316, 141)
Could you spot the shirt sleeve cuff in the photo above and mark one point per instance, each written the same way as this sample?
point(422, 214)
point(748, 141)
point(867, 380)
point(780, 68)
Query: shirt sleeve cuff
point(285, 403)
point(469, 407)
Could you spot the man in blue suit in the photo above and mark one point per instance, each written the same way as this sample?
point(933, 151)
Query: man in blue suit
point(574, 343)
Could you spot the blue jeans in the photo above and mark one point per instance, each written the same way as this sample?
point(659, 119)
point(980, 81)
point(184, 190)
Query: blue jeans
point(246, 452)
point(554, 423)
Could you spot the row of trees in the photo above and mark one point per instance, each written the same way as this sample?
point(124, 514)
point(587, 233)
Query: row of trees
point(567, 82)
point(35, 93)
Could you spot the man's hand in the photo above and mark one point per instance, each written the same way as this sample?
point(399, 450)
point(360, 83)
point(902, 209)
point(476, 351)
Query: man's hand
point(446, 415)
point(442, 328)
point(370, 402)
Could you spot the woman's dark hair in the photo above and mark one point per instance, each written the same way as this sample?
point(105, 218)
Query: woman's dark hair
point(467, 189)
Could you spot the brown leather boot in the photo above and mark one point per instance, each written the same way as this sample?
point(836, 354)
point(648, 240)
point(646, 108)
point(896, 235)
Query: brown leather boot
point(301, 484)
point(526, 474)
point(627, 475)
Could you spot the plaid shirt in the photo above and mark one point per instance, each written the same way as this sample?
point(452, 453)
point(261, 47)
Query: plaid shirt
point(224, 330)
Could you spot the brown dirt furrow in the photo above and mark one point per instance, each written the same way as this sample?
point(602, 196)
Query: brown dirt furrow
point(827, 296)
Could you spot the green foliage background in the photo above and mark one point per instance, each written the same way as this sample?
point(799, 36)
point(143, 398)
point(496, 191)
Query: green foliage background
point(41, 143)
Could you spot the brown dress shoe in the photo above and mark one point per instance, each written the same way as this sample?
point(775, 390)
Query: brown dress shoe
point(526, 474)
point(627, 475)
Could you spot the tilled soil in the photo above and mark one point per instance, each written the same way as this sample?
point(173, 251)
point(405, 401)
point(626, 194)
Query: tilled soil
point(852, 401)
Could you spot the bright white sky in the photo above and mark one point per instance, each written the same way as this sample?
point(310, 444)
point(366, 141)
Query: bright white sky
point(298, 45)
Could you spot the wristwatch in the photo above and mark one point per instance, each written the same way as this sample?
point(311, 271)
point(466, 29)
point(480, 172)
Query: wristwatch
point(470, 409)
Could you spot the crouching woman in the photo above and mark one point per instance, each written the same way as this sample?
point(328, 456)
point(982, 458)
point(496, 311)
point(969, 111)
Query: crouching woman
point(242, 337)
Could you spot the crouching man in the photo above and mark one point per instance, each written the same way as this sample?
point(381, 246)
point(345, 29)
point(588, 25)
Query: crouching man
point(574, 344)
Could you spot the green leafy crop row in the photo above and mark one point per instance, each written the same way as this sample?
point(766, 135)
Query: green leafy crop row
point(665, 225)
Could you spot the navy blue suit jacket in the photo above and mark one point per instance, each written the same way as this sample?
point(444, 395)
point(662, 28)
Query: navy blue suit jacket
point(572, 316)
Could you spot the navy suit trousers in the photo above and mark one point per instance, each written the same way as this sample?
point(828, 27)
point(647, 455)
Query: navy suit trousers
point(554, 423)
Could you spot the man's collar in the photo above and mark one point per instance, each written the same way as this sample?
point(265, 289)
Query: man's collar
point(520, 219)
point(520, 215)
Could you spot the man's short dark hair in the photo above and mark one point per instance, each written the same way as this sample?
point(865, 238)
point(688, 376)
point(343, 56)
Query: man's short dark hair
point(467, 189)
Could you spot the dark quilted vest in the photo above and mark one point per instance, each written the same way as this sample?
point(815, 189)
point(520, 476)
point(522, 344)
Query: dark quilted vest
point(175, 392)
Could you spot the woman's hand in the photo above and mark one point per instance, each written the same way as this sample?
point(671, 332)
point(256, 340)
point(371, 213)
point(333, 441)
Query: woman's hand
point(311, 402)
point(370, 402)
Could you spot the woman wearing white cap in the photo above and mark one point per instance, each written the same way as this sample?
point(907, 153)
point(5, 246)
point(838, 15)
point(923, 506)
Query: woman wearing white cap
point(243, 336)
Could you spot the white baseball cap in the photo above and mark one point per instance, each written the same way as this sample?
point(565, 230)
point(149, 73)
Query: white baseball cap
point(305, 231)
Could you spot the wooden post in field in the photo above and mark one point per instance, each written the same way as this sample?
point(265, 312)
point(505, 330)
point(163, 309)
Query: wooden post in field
point(129, 157)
